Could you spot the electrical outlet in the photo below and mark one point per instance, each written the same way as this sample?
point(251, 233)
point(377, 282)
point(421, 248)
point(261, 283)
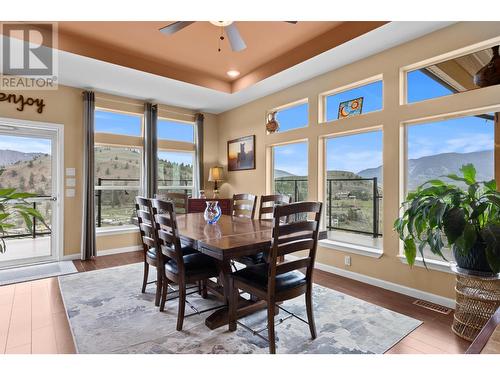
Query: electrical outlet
point(347, 260)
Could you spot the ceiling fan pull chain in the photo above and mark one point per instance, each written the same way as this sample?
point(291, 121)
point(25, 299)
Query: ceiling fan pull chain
point(221, 38)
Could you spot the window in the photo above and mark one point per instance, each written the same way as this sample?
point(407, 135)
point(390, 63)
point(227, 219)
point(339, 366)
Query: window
point(175, 172)
point(353, 202)
point(438, 148)
point(175, 130)
point(118, 123)
point(371, 94)
point(117, 183)
point(293, 117)
point(290, 170)
point(446, 77)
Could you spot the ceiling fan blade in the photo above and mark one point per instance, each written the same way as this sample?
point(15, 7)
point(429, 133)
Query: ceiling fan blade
point(176, 26)
point(235, 40)
point(292, 22)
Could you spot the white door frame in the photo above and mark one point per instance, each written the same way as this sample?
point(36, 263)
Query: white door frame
point(57, 244)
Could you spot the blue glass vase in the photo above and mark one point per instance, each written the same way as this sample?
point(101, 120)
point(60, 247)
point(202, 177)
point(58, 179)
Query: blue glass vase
point(212, 212)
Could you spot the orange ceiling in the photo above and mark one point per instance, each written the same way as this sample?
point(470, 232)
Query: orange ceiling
point(191, 55)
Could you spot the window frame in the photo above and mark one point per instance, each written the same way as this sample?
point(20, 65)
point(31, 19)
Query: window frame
point(120, 112)
point(287, 106)
point(322, 102)
point(105, 139)
point(369, 251)
point(271, 154)
point(187, 123)
point(467, 50)
point(439, 265)
point(137, 188)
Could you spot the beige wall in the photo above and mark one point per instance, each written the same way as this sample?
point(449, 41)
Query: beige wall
point(250, 119)
point(64, 106)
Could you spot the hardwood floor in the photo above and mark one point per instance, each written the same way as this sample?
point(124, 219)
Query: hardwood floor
point(33, 320)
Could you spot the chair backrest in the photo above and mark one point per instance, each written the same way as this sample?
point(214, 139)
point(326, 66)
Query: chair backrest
point(485, 334)
point(268, 202)
point(145, 220)
point(180, 201)
point(167, 233)
point(244, 205)
point(296, 236)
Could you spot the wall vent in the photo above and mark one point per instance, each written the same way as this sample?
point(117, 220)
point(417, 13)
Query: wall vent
point(432, 306)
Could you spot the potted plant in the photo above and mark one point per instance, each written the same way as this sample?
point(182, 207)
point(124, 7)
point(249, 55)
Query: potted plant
point(439, 215)
point(13, 204)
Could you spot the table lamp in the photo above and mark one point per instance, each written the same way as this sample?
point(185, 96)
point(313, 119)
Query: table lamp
point(215, 175)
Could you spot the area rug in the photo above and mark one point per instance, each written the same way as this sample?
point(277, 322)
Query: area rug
point(35, 272)
point(108, 314)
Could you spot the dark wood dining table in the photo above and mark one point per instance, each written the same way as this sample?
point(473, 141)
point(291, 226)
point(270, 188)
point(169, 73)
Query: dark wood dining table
point(230, 238)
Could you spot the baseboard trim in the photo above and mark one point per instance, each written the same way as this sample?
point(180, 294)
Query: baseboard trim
point(119, 250)
point(71, 257)
point(398, 288)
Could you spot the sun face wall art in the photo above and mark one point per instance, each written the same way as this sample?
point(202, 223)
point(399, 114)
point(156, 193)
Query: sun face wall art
point(350, 108)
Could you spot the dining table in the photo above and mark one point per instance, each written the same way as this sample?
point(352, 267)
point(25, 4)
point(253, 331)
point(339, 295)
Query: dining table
point(230, 238)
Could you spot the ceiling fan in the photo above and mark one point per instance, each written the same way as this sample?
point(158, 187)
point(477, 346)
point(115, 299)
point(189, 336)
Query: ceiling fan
point(235, 40)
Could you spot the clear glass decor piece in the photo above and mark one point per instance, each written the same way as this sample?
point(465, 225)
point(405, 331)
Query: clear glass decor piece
point(212, 212)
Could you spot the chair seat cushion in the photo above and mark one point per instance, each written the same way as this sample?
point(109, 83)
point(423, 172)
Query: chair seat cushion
point(250, 260)
point(197, 263)
point(151, 253)
point(257, 276)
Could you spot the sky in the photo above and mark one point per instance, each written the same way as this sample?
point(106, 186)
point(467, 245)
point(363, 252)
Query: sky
point(291, 158)
point(126, 124)
point(361, 151)
point(25, 144)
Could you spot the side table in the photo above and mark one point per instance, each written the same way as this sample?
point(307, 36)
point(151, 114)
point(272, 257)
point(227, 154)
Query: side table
point(477, 299)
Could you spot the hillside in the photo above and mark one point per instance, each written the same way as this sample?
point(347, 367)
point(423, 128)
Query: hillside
point(9, 157)
point(31, 173)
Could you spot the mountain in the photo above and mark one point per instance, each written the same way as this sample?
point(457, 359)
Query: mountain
point(428, 167)
point(279, 173)
point(9, 157)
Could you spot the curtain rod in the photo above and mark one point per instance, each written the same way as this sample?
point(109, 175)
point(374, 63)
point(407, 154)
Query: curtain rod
point(141, 105)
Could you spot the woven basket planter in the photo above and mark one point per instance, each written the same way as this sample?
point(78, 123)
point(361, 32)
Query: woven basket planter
point(477, 299)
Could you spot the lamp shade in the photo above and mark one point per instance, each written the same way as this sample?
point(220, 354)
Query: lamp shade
point(215, 174)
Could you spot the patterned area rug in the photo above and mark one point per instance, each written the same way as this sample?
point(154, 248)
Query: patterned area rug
point(108, 314)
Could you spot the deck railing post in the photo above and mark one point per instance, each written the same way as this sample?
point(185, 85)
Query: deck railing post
point(375, 207)
point(329, 204)
point(99, 203)
point(33, 232)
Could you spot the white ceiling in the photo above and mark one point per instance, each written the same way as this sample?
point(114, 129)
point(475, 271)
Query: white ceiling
point(83, 72)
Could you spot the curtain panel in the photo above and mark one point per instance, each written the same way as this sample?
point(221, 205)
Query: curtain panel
point(88, 243)
point(198, 168)
point(149, 155)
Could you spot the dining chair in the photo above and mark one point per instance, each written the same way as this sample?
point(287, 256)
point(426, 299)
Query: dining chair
point(244, 205)
point(276, 282)
point(180, 200)
point(144, 213)
point(268, 202)
point(266, 210)
point(179, 268)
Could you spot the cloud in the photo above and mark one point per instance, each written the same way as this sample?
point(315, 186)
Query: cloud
point(461, 143)
point(23, 144)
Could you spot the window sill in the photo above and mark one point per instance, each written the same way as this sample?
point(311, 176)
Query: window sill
point(115, 231)
point(352, 248)
point(434, 265)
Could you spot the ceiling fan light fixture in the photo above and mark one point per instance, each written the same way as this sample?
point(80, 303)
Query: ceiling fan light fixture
point(221, 23)
point(233, 73)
